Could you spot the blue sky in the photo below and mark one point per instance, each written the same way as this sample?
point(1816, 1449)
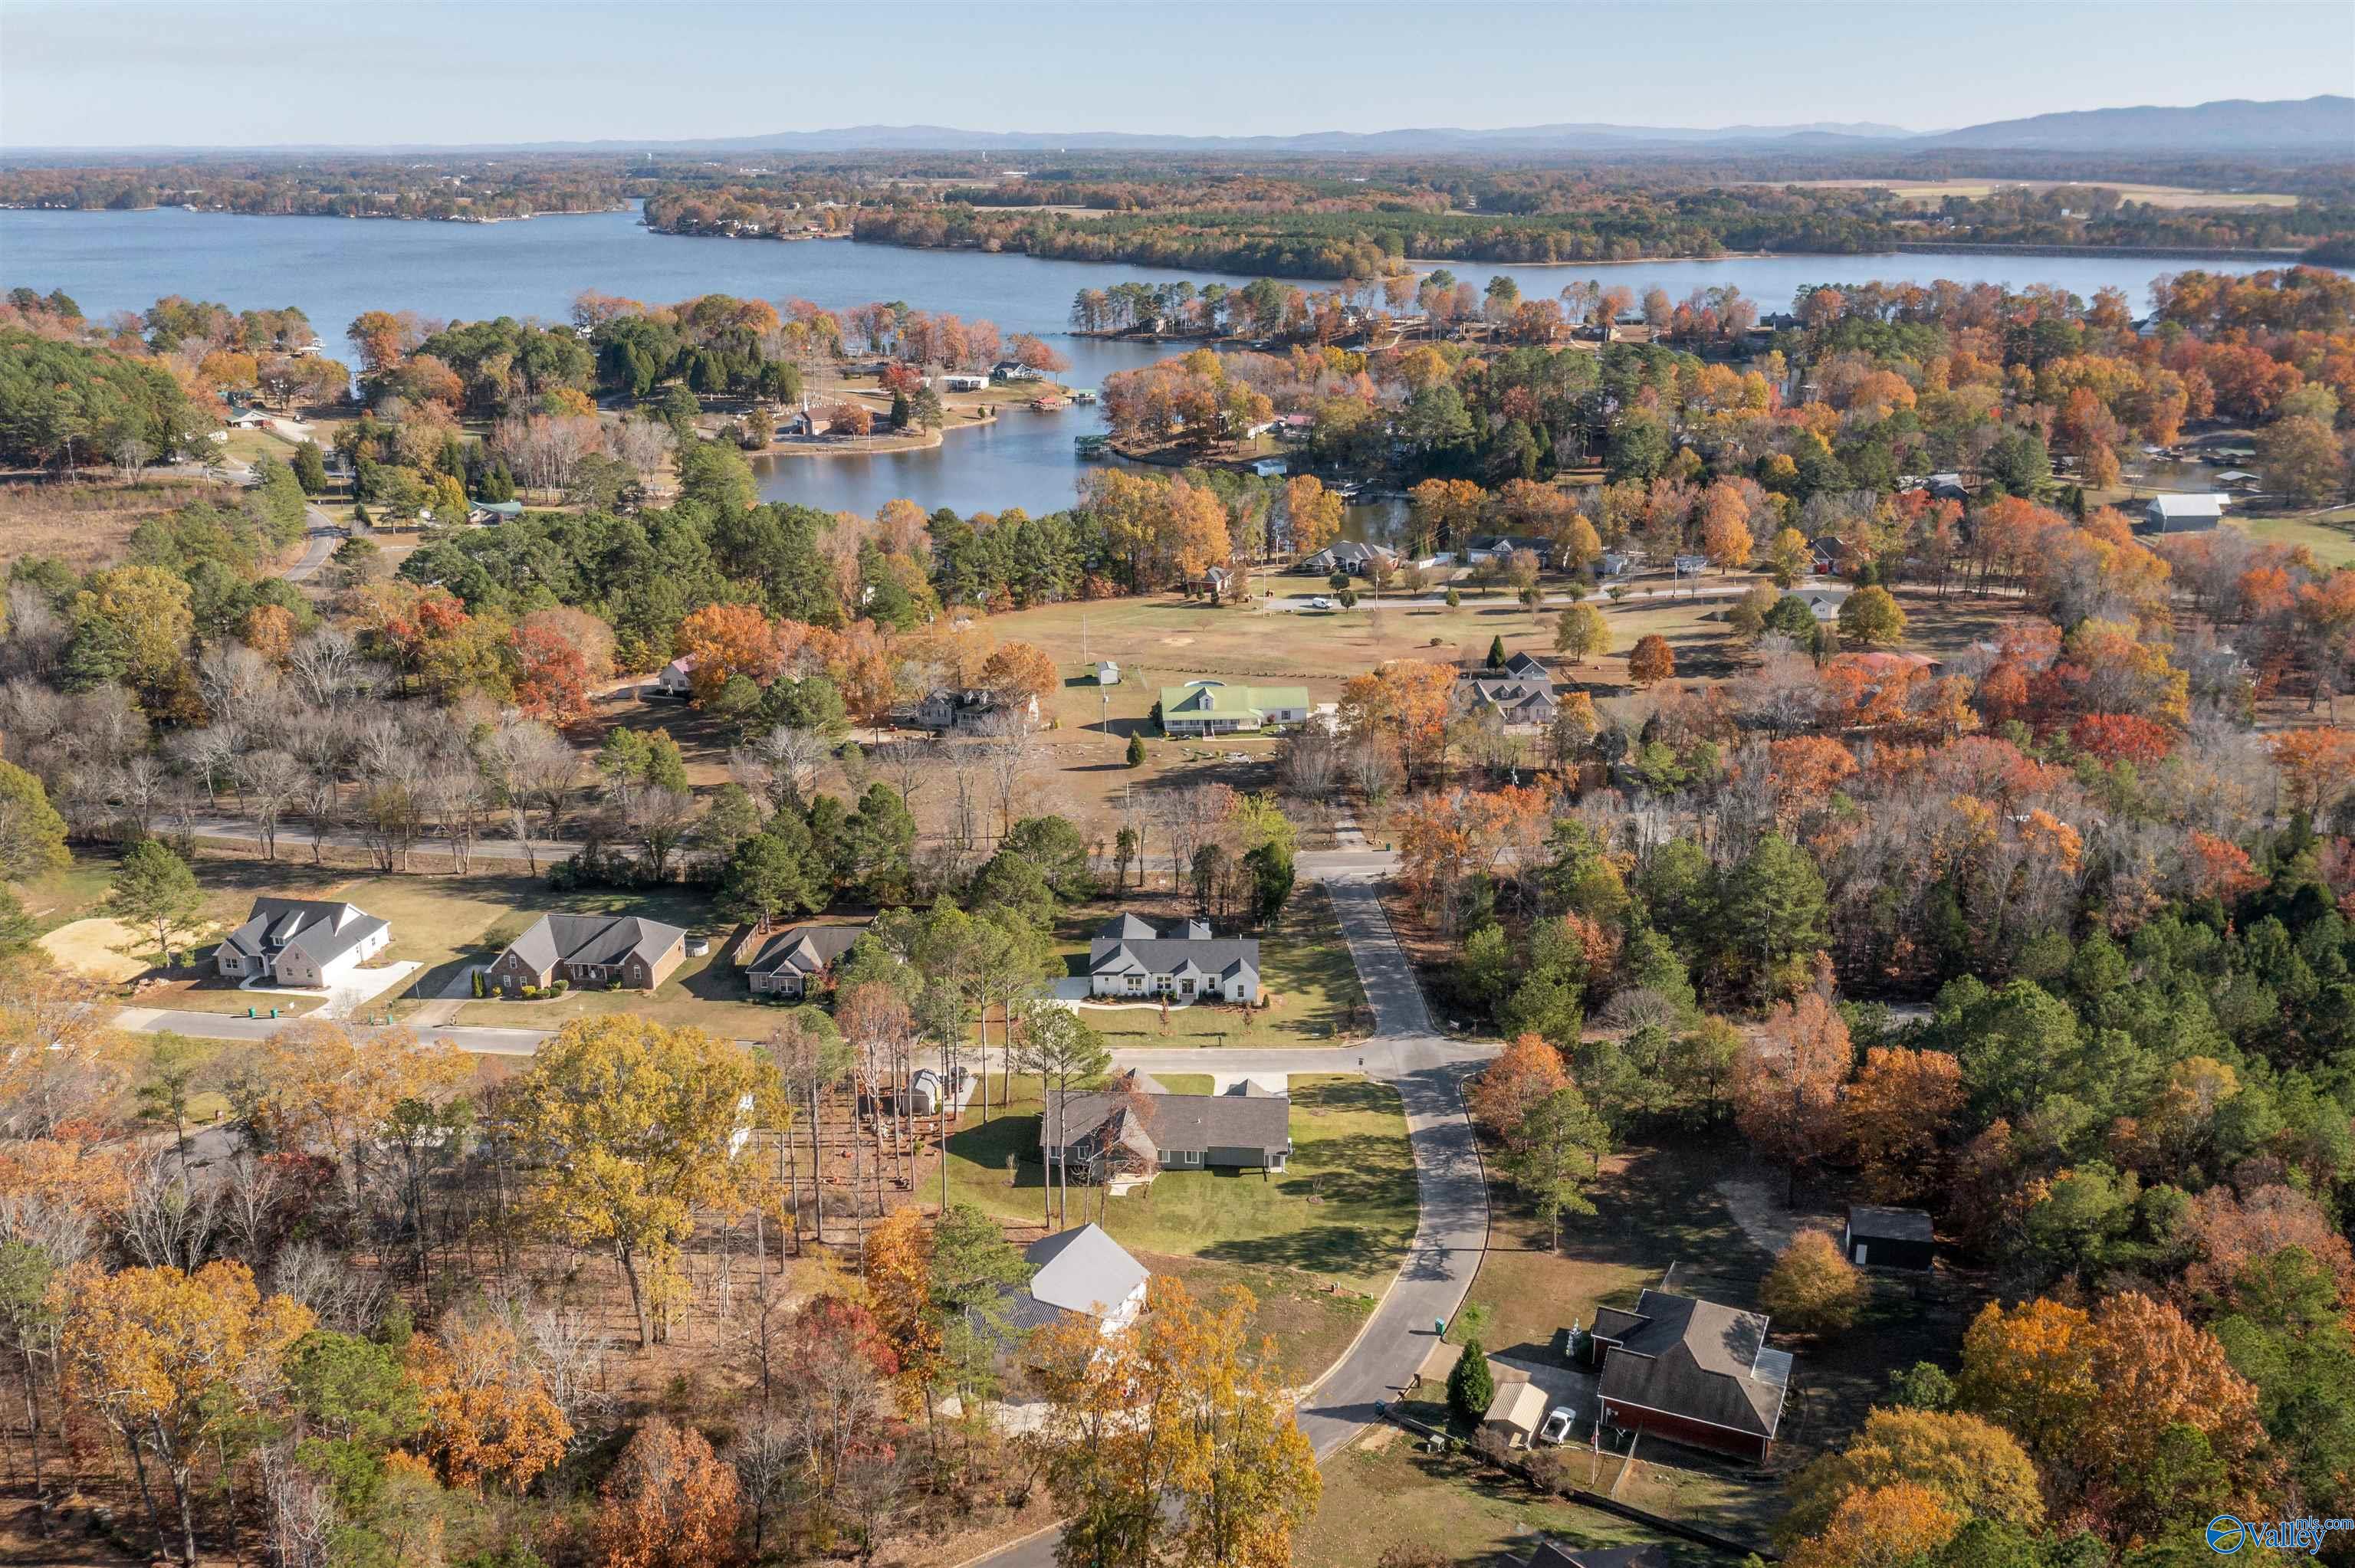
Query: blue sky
point(264, 72)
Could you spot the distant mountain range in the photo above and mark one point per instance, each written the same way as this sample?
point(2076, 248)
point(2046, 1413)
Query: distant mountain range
point(2322, 126)
point(2232, 125)
point(1432, 139)
point(2315, 124)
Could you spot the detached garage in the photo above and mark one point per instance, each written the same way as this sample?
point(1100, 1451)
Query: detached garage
point(1888, 1238)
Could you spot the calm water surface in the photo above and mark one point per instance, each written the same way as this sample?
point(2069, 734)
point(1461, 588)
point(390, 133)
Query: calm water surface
point(333, 269)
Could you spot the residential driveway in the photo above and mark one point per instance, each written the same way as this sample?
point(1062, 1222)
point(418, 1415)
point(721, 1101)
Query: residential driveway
point(1452, 1230)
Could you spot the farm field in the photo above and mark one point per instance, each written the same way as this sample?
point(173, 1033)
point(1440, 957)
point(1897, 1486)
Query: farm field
point(1345, 1211)
point(1929, 193)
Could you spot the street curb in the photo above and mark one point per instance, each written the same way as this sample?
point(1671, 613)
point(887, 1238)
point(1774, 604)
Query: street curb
point(1010, 1545)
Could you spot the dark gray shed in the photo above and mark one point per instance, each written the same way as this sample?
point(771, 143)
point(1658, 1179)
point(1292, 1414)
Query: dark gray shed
point(1888, 1238)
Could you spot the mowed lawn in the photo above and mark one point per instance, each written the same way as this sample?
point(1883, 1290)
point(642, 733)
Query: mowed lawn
point(1305, 971)
point(1345, 1208)
point(1382, 1491)
point(2330, 534)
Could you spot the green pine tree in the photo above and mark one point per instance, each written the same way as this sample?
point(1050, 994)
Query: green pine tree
point(1471, 1385)
point(1497, 651)
point(1136, 749)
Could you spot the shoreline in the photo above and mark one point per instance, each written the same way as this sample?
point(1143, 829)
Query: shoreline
point(348, 217)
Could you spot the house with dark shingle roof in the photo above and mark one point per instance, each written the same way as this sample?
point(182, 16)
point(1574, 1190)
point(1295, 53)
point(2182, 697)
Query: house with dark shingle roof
point(302, 942)
point(608, 950)
point(1132, 956)
point(1693, 1372)
point(790, 961)
point(1135, 1127)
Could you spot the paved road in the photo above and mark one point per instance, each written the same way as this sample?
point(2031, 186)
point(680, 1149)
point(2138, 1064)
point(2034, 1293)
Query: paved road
point(233, 1026)
point(1452, 1231)
point(324, 536)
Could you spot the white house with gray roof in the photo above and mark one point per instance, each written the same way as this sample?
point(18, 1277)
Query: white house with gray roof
point(608, 950)
point(301, 942)
point(1132, 957)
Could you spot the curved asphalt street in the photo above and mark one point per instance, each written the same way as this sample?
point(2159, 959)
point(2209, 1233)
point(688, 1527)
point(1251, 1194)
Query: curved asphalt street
point(1428, 1071)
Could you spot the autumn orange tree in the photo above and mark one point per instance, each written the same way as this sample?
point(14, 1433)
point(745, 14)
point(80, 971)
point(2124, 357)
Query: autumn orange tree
point(1018, 671)
point(2133, 1415)
point(1902, 1102)
point(1881, 1527)
point(1786, 1087)
point(725, 640)
point(1651, 660)
point(172, 1362)
point(1312, 514)
point(670, 1503)
point(898, 1267)
point(1812, 1287)
point(489, 1416)
point(1172, 1439)
point(1524, 1074)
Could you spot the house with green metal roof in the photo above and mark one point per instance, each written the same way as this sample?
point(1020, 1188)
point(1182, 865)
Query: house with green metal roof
point(1214, 707)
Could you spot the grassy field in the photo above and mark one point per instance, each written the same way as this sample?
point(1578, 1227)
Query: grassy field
point(1304, 971)
point(87, 523)
point(2331, 535)
point(1382, 1491)
point(1930, 193)
point(1345, 1210)
point(1311, 1325)
point(1184, 1083)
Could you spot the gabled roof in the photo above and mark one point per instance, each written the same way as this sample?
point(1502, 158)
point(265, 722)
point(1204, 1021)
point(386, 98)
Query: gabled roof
point(1697, 1359)
point(1178, 1123)
point(1219, 956)
point(2205, 504)
point(807, 950)
point(605, 939)
point(1082, 1271)
point(322, 930)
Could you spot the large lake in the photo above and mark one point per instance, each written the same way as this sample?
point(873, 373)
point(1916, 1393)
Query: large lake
point(334, 268)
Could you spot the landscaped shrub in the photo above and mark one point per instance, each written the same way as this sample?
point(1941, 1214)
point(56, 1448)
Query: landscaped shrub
point(559, 988)
point(1471, 1385)
point(479, 988)
point(531, 993)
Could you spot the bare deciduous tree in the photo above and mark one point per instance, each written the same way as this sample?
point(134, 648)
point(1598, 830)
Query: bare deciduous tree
point(272, 781)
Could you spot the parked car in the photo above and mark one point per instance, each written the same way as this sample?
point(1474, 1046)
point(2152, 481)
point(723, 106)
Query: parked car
point(1558, 1425)
point(1320, 602)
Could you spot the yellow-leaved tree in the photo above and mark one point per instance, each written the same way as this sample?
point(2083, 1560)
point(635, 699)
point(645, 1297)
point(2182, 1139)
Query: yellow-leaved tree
point(1173, 1437)
point(171, 1362)
point(627, 1127)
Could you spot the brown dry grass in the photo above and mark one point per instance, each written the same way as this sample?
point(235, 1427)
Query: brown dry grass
point(99, 947)
point(85, 522)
